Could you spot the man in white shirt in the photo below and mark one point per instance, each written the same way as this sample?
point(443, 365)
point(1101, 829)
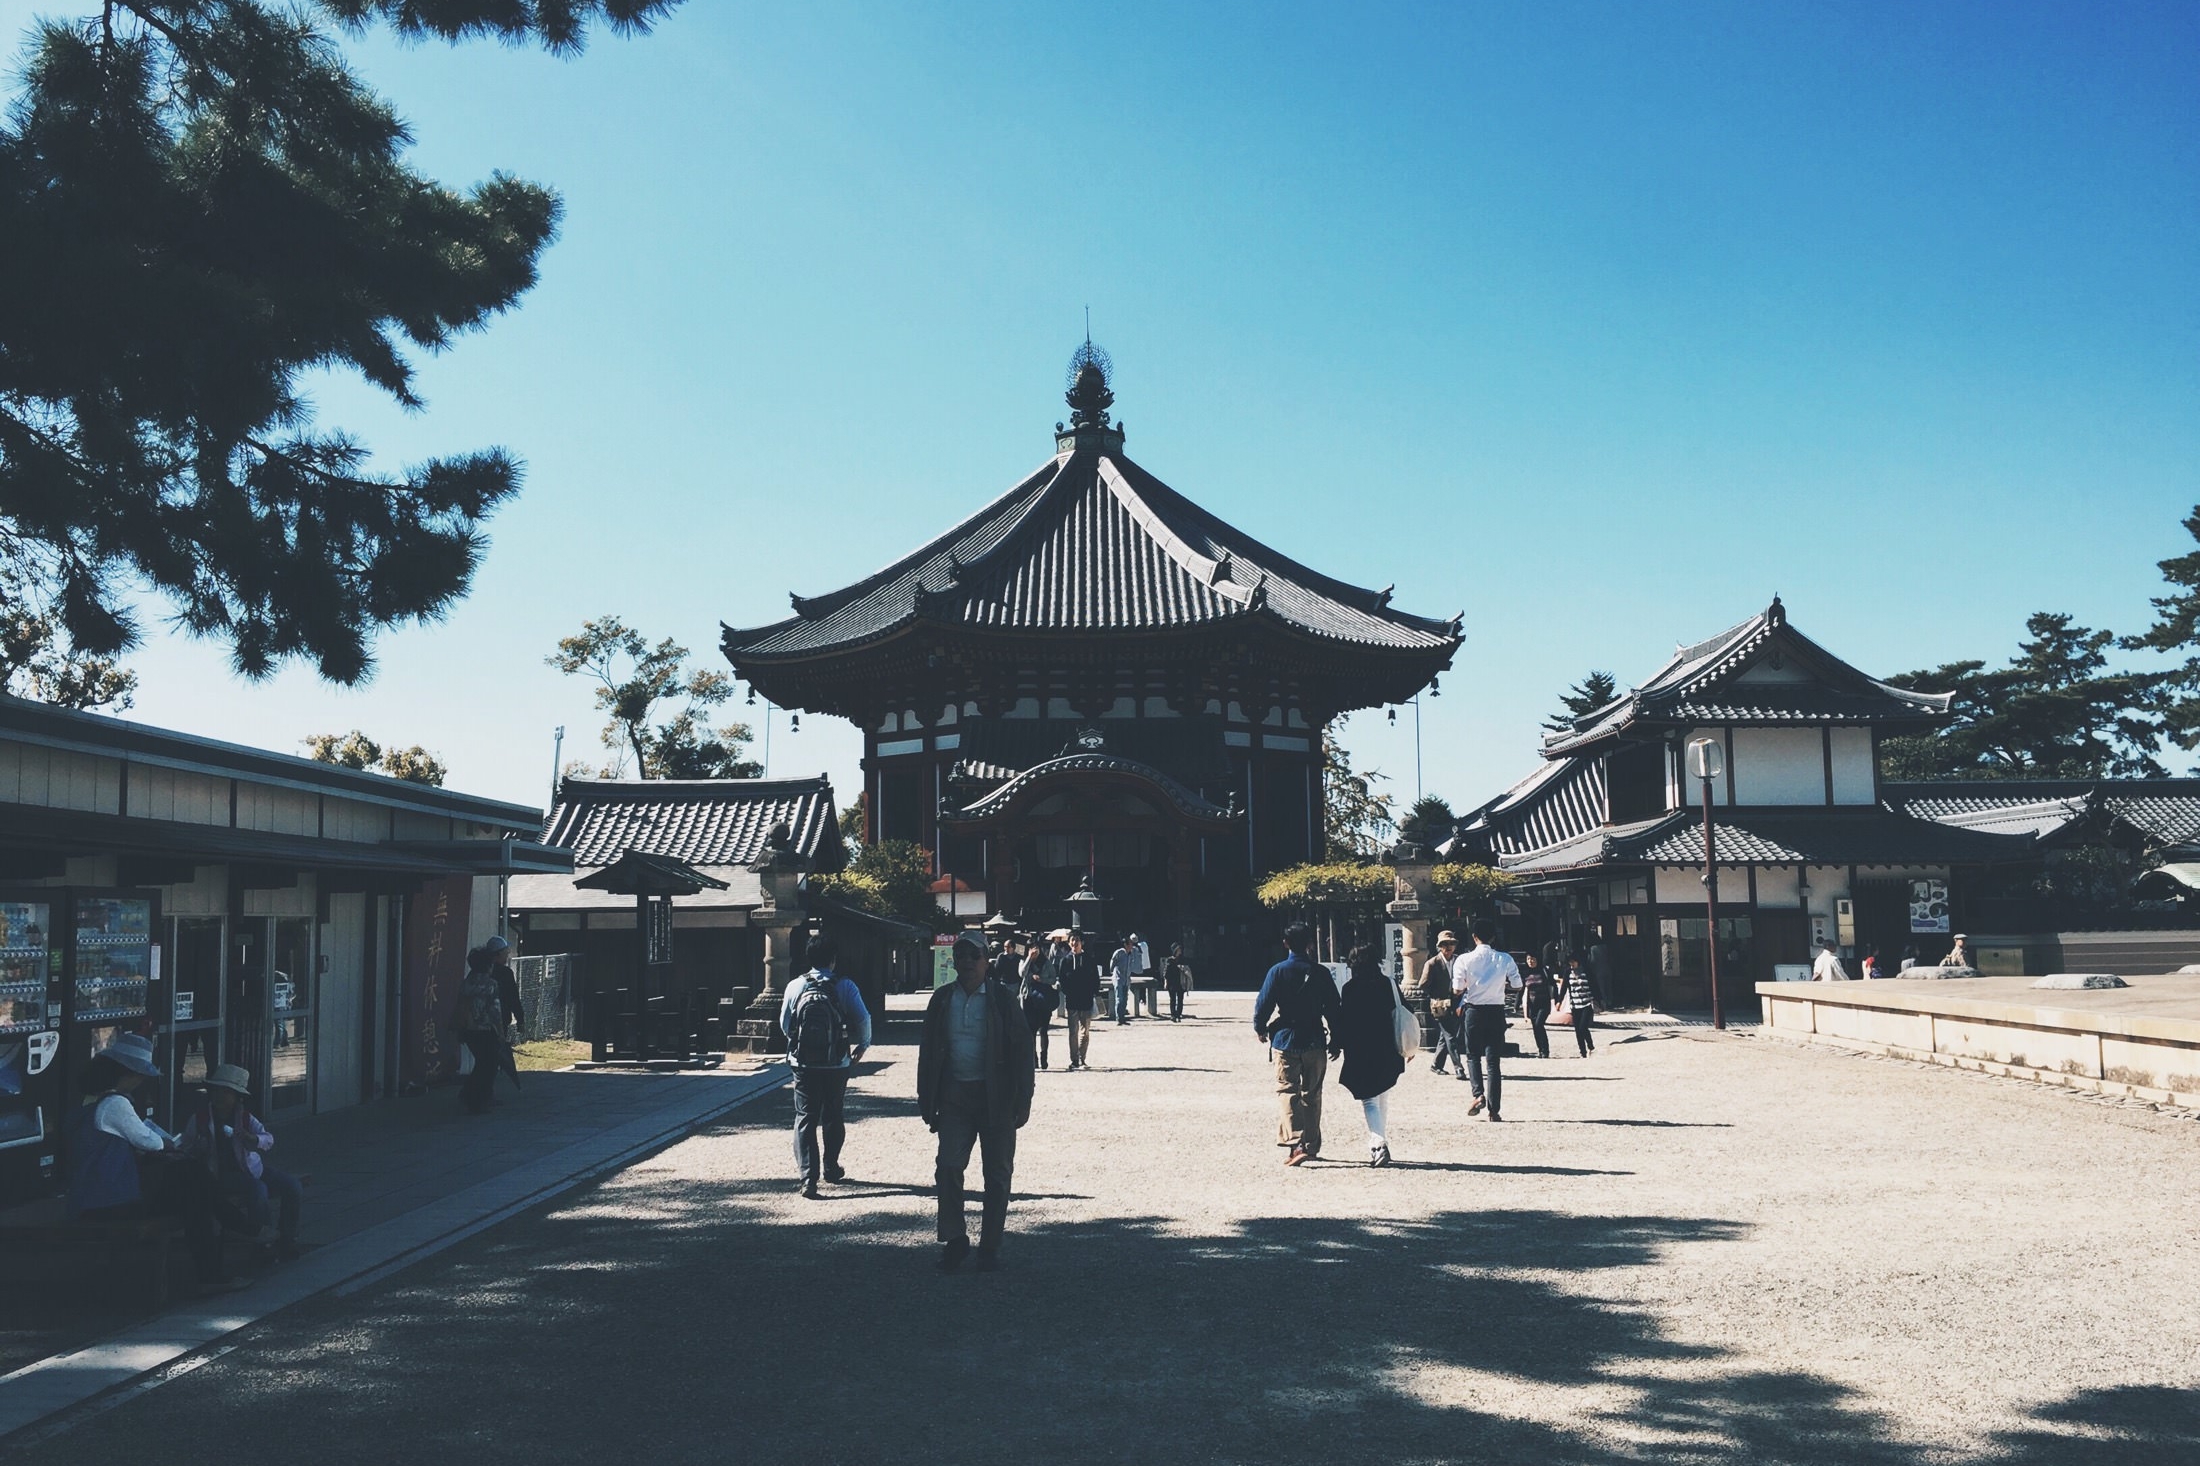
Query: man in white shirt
point(1479, 981)
point(1828, 967)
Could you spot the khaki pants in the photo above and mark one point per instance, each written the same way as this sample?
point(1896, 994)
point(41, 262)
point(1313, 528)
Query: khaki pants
point(1080, 1036)
point(1299, 1076)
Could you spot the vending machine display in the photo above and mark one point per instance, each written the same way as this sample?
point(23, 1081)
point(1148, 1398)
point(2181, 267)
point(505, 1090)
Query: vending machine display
point(29, 1041)
point(114, 959)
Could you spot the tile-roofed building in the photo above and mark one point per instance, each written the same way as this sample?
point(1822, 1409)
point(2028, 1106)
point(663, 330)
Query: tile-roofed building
point(2153, 815)
point(1093, 606)
point(1606, 839)
point(723, 828)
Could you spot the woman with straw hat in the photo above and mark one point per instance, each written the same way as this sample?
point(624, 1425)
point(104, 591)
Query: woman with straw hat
point(229, 1140)
point(122, 1168)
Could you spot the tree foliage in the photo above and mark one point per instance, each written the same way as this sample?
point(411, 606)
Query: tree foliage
point(633, 678)
point(2176, 630)
point(1466, 889)
point(1364, 888)
point(852, 824)
point(1580, 700)
point(891, 878)
point(37, 660)
point(1428, 823)
point(200, 205)
point(1356, 819)
point(2055, 711)
point(355, 750)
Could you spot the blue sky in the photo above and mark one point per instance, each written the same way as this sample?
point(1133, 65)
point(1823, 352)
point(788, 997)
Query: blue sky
point(1600, 323)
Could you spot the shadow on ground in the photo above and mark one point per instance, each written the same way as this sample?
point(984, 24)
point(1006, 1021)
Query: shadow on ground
point(662, 1318)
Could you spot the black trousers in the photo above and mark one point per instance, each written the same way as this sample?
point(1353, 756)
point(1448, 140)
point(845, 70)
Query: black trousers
point(1538, 1015)
point(477, 1088)
point(1451, 1042)
point(1583, 1017)
point(1486, 1041)
point(1042, 1029)
point(1176, 1005)
point(820, 1112)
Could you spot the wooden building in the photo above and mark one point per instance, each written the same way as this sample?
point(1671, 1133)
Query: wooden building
point(722, 827)
point(1606, 838)
point(234, 905)
point(1092, 678)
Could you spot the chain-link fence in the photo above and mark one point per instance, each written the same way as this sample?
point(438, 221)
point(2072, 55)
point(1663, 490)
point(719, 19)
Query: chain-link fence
point(549, 991)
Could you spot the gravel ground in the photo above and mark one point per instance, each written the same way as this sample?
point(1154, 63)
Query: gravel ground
point(1690, 1247)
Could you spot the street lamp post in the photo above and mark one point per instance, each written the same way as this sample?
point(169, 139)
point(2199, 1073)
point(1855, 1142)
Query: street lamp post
point(1707, 761)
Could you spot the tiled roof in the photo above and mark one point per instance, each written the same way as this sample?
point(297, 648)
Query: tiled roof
point(1703, 684)
point(2163, 812)
point(1188, 801)
point(704, 822)
point(1841, 836)
point(1189, 749)
point(1563, 799)
point(1091, 542)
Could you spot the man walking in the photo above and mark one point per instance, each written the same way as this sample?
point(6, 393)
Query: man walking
point(1480, 978)
point(1125, 966)
point(1079, 981)
point(827, 1029)
point(974, 1083)
point(1296, 1014)
point(1451, 1019)
point(1827, 967)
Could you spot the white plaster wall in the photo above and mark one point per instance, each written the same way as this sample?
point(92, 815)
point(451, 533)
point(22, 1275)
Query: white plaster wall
point(1779, 766)
point(1853, 782)
point(1776, 886)
point(1691, 787)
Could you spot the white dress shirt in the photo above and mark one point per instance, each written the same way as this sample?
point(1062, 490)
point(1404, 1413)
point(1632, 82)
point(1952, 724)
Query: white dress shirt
point(1828, 967)
point(1480, 976)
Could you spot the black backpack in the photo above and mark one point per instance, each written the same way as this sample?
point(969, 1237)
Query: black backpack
point(820, 1033)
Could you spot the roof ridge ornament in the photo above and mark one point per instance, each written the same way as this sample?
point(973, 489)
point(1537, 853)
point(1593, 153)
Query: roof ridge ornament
point(1776, 614)
point(1089, 395)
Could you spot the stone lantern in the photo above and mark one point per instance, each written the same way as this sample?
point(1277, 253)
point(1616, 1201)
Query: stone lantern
point(1413, 908)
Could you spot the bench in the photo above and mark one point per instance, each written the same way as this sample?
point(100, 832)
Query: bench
point(46, 1229)
point(44, 1226)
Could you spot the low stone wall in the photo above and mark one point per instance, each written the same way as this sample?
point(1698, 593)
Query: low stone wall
point(2142, 1042)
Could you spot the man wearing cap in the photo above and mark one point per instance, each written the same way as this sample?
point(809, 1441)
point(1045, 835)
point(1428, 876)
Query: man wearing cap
point(1451, 1031)
point(974, 1083)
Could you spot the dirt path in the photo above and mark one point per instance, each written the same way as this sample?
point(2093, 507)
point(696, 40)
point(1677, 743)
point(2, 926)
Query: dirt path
point(1686, 1248)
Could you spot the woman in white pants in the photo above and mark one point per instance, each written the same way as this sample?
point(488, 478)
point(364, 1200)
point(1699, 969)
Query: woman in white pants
point(1371, 1061)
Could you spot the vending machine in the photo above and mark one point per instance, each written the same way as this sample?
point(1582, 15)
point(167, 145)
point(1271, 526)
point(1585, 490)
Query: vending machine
point(77, 967)
point(31, 990)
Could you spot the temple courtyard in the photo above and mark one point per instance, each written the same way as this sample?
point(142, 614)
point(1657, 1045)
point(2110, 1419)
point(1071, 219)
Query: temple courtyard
point(1689, 1247)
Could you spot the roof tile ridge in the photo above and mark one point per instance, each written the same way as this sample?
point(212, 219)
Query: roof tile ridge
point(983, 561)
point(1240, 545)
point(1208, 570)
point(914, 562)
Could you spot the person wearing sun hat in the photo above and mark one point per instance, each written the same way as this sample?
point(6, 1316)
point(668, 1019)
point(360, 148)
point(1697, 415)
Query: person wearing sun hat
point(226, 1138)
point(123, 1168)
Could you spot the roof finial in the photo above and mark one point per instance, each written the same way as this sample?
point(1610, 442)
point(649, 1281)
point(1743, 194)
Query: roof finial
point(1088, 396)
point(1776, 614)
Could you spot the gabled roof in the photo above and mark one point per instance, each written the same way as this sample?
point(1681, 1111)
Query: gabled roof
point(1560, 801)
point(701, 822)
point(1189, 803)
point(1092, 542)
point(1704, 683)
point(2162, 812)
point(1849, 835)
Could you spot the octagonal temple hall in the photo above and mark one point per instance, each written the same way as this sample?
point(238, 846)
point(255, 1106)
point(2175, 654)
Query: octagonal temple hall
point(1094, 679)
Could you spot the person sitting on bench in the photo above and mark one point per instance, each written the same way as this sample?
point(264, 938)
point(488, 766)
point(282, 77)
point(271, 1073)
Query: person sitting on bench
point(228, 1139)
point(122, 1169)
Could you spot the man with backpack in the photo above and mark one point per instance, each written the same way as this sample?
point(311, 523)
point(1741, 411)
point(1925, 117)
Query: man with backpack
point(827, 1029)
point(1296, 1015)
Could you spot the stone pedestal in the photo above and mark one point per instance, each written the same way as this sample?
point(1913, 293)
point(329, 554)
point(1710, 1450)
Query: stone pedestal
point(1410, 865)
point(780, 872)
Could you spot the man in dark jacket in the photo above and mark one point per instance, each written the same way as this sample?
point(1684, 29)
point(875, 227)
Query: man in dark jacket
point(1079, 980)
point(1296, 1015)
point(515, 1015)
point(974, 1083)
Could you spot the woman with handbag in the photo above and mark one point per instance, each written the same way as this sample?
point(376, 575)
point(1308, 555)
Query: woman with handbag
point(1374, 1042)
